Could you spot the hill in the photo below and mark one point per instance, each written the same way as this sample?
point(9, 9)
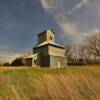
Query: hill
point(72, 83)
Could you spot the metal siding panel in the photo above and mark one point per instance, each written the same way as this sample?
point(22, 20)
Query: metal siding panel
point(54, 61)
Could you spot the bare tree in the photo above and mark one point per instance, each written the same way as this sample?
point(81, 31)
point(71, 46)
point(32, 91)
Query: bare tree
point(94, 42)
point(87, 53)
point(74, 54)
point(94, 47)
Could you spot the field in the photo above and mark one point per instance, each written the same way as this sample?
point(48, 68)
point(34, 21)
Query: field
point(71, 83)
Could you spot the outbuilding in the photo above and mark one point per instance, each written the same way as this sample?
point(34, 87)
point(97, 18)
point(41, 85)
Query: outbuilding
point(47, 53)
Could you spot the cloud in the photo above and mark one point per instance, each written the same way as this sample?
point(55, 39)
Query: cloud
point(56, 9)
point(48, 4)
point(96, 4)
point(76, 30)
point(66, 26)
point(9, 58)
point(90, 33)
point(79, 5)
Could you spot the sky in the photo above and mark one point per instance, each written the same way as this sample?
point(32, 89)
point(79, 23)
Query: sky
point(22, 20)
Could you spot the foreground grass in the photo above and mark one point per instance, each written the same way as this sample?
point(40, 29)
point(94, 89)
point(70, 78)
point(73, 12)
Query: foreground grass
point(72, 83)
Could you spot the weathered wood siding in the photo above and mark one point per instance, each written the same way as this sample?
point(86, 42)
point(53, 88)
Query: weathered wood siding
point(42, 38)
point(43, 49)
point(56, 51)
point(50, 36)
point(46, 36)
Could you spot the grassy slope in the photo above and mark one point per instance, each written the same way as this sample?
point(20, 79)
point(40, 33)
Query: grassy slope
point(74, 83)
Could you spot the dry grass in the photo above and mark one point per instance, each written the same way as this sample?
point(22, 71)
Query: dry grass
point(72, 83)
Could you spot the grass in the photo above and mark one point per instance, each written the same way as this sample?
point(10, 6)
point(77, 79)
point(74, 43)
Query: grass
point(71, 83)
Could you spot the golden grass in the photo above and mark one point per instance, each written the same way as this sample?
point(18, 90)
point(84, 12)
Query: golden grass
point(72, 83)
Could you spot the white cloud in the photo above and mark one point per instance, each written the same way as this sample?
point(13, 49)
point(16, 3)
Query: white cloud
point(79, 5)
point(48, 4)
point(56, 9)
point(67, 27)
point(9, 58)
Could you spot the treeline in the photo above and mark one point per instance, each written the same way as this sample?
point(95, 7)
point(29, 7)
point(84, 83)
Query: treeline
point(20, 61)
point(84, 53)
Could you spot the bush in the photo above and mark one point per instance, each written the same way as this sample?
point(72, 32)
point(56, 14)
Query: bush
point(18, 62)
point(6, 64)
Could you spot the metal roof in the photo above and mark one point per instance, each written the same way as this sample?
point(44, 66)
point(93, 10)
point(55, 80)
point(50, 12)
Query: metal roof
point(31, 56)
point(51, 43)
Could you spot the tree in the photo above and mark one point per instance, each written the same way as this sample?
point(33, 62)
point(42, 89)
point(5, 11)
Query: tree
point(6, 64)
point(94, 44)
point(18, 62)
point(86, 53)
point(78, 54)
point(73, 54)
point(68, 51)
point(94, 47)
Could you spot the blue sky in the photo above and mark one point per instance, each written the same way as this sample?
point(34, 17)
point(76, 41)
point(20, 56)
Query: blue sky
point(22, 20)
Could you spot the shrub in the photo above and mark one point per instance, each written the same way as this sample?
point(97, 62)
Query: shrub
point(6, 64)
point(18, 62)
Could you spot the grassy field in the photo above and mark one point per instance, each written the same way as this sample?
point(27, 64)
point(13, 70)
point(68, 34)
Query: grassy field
point(72, 83)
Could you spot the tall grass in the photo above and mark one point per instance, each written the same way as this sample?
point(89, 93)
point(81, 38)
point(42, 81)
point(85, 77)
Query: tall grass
point(72, 83)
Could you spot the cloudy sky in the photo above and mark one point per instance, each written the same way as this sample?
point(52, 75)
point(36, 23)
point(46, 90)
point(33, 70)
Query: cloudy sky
point(22, 20)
